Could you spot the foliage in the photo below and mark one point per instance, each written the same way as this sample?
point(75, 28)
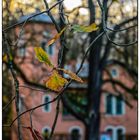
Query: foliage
point(100, 41)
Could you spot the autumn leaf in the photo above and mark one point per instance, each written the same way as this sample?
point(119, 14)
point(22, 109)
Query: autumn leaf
point(11, 5)
point(42, 56)
point(35, 134)
point(115, 0)
point(72, 75)
point(4, 58)
point(80, 28)
point(55, 81)
point(56, 37)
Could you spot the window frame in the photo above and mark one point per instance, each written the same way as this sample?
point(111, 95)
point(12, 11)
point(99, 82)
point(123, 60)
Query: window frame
point(117, 72)
point(114, 130)
point(46, 127)
point(76, 127)
point(49, 105)
point(114, 106)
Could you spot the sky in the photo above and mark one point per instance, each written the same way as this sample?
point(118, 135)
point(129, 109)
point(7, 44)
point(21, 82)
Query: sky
point(70, 4)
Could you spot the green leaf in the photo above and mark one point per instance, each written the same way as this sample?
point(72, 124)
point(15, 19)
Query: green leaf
point(42, 56)
point(80, 28)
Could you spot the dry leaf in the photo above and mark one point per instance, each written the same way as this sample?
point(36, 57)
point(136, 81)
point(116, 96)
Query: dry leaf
point(72, 75)
point(56, 37)
point(11, 5)
point(80, 28)
point(42, 56)
point(55, 81)
point(4, 58)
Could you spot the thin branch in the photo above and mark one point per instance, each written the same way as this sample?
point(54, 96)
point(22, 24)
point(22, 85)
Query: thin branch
point(56, 117)
point(13, 98)
point(32, 109)
point(32, 88)
point(117, 96)
point(131, 71)
point(16, 83)
point(34, 15)
point(120, 30)
point(52, 18)
point(118, 91)
point(116, 82)
point(32, 124)
point(105, 28)
point(89, 48)
point(123, 45)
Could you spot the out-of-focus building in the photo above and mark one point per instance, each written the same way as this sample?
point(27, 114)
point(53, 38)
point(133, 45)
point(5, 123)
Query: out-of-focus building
point(117, 119)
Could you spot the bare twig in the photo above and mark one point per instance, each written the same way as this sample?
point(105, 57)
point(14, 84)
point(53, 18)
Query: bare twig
point(105, 28)
point(13, 98)
point(34, 15)
point(16, 82)
point(32, 88)
point(56, 117)
point(123, 45)
point(120, 30)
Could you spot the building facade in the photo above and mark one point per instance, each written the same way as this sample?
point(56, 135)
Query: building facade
point(117, 118)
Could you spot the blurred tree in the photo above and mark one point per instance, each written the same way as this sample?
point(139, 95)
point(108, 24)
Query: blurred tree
point(103, 53)
point(6, 97)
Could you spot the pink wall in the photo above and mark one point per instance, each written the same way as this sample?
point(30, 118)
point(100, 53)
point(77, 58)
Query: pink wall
point(42, 119)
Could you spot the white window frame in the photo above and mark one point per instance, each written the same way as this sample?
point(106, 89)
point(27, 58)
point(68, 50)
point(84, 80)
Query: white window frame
point(76, 127)
point(114, 106)
point(117, 70)
point(53, 49)
point(114, 130)
point(43, 101)
point(43, 129)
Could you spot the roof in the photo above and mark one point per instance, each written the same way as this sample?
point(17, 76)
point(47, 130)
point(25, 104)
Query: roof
point(43, 18)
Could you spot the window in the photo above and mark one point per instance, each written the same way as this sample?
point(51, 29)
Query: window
point(46, 132)
point(120, 134)
point(119, 105)
point(75, 133)
point(116, 133)
point(47, 107)
point(114, 72)
point(110, 132)
point(109, 104)
point(65, 112)
point(21, 52)
point(49, 50)
point(114, 105)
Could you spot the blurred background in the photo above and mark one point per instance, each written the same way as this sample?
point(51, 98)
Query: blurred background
point(105, 105)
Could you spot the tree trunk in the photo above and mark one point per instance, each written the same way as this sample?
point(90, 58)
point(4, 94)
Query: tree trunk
point(94, 93)
point(94, 83)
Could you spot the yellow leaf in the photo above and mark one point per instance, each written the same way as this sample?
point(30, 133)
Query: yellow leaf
point(56, 81)
point(4, 58)
point(12, 5)
point(80, 28)
point(42, 56)
point(72, 75)
point(56, 37)
point(115, 0)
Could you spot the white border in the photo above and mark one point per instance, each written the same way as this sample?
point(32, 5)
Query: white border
point(117, 71)
point(76, 127)
point(48, 127)
point(114, 106)
point(114, 129)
